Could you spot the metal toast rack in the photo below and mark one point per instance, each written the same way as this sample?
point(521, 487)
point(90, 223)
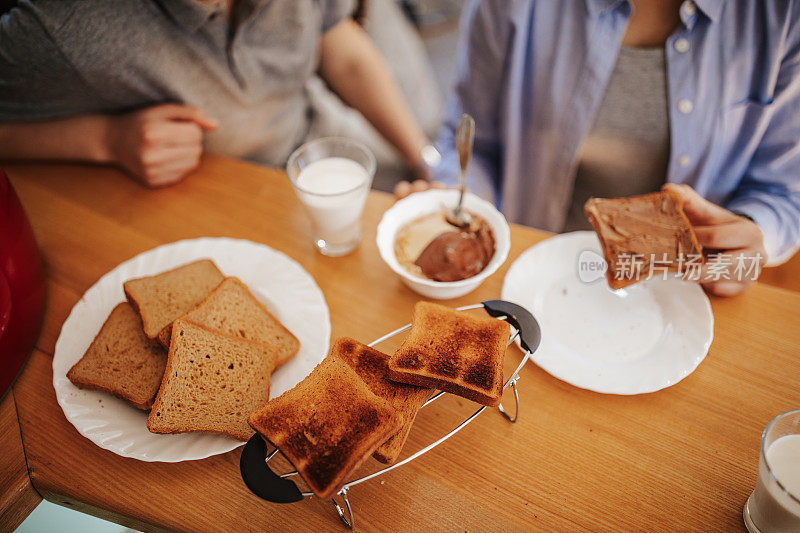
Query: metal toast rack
point(278, 488)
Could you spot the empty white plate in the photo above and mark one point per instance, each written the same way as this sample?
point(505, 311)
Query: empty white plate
point(280, 283)
point(639, 339)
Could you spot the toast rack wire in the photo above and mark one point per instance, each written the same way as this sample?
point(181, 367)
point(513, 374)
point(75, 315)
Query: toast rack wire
point(278, 488)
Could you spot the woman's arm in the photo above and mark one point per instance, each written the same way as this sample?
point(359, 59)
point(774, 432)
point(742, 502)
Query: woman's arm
point(769, 191)
point(480, 71)
point(78, 138)
point(351, 65)
point(157, 145)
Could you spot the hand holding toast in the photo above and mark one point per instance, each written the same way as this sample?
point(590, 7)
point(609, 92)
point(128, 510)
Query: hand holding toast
point(735, 244)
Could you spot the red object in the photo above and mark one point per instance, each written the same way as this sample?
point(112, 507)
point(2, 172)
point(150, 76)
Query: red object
point(21, 286)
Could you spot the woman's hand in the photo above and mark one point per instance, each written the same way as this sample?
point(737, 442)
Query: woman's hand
point(404, 188)
point(733, 245)
point(158, 145)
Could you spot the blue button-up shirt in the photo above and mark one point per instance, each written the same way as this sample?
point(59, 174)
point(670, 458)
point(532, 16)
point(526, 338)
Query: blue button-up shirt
point(533, 73)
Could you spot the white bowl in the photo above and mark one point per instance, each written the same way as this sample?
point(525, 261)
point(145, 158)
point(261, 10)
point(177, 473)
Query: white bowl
point(424, 203)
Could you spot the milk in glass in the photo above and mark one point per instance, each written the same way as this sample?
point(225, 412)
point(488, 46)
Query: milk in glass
point(771, 508)
point(334, 190)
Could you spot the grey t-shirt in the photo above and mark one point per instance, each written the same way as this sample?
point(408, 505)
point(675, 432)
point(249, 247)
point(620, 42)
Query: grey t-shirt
point(63, 58)
point(627, 150)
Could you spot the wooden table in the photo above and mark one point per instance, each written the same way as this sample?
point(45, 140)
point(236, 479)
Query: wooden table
point(682, 458)
point(786, 276)
point(17, 495)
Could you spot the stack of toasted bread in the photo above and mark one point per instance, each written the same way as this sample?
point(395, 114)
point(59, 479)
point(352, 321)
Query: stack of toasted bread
point(194, 347)
point(360, 402)
point(197, 349)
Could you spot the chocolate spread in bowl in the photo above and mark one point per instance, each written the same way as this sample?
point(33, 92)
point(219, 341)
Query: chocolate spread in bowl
point(431, 247)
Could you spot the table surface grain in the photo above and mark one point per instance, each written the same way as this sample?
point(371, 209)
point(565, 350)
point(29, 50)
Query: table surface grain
point(17, 496)
point(682, 458)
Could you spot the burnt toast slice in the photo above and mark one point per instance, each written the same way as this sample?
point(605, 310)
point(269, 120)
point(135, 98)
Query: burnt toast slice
point(453, 351)
point(327, 425)
point(639, 232)
point(121, 360)
point(372, 366)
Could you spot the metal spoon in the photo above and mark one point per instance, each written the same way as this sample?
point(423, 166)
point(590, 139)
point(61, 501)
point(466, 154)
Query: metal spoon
point(465, 136)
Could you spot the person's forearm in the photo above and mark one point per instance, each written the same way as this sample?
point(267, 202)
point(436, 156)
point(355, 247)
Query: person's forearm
point(353, 68)
point(78, 138)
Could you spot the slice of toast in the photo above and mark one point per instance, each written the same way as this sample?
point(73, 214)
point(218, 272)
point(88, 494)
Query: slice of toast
point(372, 366)
point(162, 298)
point(327, 425)
point(231, 308)
point(212, 383)
point(643, 234)
point(453, 351)
point(121, 360)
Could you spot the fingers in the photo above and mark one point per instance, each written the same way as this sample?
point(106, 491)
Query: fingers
point(740, 233)
point(167, 165)
point(173, 134)
point(729, 273)
point(404, 188)
point(739, 242)
point(401, 190)
point(171, 155)
point(419, 186)
point(168, 173)
point(158, 145)
point(164, 179)
point(700, 211)
point(184, 112)
point(727, 288)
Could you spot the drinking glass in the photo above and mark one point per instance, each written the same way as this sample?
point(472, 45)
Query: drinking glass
point(332, 176)
point(774, 507)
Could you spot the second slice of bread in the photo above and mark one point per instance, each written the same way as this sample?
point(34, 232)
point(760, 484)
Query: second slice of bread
point(372, 366)
point(212, 383)
point(231, 308)
point(453, 351)
point(327, 425)
point(121, 360)
point(162, 298)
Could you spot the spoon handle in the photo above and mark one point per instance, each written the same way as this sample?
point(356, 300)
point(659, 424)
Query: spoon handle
point(465, 137)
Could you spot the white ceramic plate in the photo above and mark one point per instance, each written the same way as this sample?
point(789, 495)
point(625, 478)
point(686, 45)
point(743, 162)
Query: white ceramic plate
point(639, 339)
point(288, 291)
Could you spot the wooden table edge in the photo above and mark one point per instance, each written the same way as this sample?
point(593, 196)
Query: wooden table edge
point(20, 497)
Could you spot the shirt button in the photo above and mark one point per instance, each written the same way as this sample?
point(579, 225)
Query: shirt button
point(682, 45)
point(685, 106)
point(684, 160)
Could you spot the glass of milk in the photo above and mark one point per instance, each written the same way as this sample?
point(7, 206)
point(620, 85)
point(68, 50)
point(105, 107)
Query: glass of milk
point(774, 505)
point(332, 177)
